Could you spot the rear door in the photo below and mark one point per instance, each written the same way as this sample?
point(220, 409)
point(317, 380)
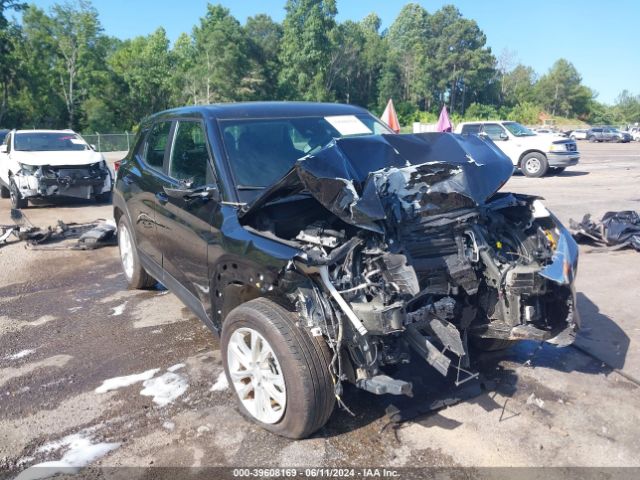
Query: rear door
point(144, 185)
point(186, 226)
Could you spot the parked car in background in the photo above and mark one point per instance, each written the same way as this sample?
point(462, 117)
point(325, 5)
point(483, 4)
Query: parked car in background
point(533, 154)
point(580, 134)
point(325, 249)
point(607, 134)
point(549, 131)
point(3, 134)
point(50, 163)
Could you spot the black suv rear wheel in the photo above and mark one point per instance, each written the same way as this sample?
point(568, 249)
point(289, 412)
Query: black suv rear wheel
point(137, 277)
point(279, 372)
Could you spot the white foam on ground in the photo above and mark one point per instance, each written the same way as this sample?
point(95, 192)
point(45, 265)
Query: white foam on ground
point(165, 389)
point(119, 310)
point(19, 355)
point(221, 384)
point(121, 382)
point(80, 452)
point(169, 426)
point(175, 367)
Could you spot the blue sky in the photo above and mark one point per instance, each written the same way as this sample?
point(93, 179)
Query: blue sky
point(600, 38)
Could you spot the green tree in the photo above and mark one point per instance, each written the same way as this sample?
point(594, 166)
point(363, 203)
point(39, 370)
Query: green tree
point(307, 51)
point(460, 64)
point(561, 92)
point(408, 38)
point(72, 31)
point(9, 65)
point(144, 64)
point(220, 63)
point(627, 107)
point(264, 37)
point(518, 85)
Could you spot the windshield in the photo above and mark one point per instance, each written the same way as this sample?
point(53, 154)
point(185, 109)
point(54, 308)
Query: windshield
point(49, 142)
point(518, 130)
point(262, 151)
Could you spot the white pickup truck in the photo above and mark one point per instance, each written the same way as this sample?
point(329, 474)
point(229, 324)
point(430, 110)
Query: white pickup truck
point(534, 154)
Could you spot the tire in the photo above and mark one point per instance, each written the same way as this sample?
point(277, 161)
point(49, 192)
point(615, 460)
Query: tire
point(103, 197)
point(16, 197)
point(299, 366)
point(592, 139)
point(137, 277)
point(492, 344)
point(4, 192)
point(534, 165)
point(573, 137)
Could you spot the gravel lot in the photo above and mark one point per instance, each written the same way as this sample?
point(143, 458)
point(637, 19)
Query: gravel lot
point(68, 324)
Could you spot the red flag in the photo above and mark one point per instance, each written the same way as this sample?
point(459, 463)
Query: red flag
point(390, 117)
point(444, 124)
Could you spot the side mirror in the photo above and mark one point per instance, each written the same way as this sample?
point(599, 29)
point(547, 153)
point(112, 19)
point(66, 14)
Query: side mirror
point(504, 136)
point(3, 149)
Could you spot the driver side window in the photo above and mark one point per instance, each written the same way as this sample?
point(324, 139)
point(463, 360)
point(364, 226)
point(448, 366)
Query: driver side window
point(494, 131)
point(189, 155)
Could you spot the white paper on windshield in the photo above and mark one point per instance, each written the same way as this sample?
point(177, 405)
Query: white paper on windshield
point(348, 125)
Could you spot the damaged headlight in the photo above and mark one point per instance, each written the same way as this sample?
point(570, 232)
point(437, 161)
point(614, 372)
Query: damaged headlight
point(28, 169)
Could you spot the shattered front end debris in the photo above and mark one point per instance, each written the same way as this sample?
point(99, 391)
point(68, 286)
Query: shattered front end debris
point(84, 181)
point(403, 244)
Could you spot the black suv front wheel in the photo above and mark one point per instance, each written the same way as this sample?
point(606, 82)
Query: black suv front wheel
point(279, 372)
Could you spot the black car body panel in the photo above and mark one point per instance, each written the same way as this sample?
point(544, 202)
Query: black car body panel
point(380, 243)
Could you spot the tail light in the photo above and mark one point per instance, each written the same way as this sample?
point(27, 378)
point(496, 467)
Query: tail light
point(116, 165)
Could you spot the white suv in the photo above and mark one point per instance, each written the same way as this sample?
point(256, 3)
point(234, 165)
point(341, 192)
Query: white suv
point(533, 154)
point(47, 163)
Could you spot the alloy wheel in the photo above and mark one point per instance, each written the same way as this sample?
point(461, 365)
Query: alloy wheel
point(256, 375)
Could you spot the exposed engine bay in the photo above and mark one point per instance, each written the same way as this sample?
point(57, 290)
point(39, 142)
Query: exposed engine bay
point(406, 246)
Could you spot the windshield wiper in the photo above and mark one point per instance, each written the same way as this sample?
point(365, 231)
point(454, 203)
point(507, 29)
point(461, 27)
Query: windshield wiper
point(249, 187)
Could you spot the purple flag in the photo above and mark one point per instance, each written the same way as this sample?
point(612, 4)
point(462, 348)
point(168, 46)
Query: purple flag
point(444, 124)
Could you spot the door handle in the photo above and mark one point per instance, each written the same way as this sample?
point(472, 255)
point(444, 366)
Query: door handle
point(162, 197)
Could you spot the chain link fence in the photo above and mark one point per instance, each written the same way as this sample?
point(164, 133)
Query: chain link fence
point(110, 142)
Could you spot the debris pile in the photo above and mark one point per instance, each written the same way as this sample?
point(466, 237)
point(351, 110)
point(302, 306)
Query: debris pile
point(616, 230)
point(87, 236)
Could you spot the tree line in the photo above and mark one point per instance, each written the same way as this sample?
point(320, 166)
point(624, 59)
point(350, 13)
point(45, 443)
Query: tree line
point(59, 69)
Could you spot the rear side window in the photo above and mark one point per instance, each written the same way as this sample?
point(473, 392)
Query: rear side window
point(473, 129)
point(157, 144)
point(596, 130)
point(189, 156)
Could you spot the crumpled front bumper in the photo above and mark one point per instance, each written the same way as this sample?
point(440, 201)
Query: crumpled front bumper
point(78, 182)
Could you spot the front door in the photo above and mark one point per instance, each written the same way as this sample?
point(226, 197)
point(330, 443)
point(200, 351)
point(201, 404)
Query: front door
point(186, 226)
point(144, 184)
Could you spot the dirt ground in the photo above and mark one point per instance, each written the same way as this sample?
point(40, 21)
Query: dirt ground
point(68, 324)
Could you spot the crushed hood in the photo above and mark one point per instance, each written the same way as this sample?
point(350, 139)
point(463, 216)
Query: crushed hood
point(364, 180)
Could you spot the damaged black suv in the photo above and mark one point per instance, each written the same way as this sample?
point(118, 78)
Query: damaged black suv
point(323, 248)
